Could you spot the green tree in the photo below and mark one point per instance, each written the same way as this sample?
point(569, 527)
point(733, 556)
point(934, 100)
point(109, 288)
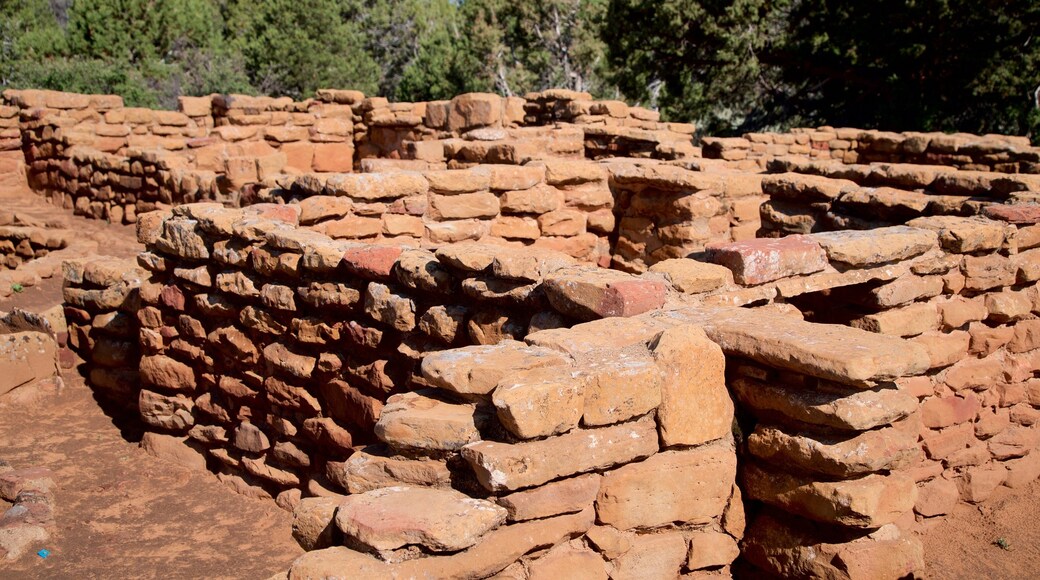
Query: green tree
point(707, 61)
point(944, 64)
point(292, 47)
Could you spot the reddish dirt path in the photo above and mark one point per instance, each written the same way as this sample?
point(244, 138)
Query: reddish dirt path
point(964, 546)
point(121, 513)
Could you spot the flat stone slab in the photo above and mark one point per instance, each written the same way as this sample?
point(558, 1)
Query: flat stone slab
point(591, 293)
point(477, 370)
point(501, 466)
point(766, 259)
point(418, 421)
point(846, 355)
point(861, 249)
point(1022, 213)
point(963, 235)
point(441, 520)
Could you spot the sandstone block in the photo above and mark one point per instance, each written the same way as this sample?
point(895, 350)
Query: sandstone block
point(559, 497)
point(659, 555)
point(313, 527)
point(389, 307)
point(440, 520)
point(375, 467)
point(166, 412)
point(501, 466)
point(711, 549)
point(909, 320)
point(568, 561)
point(861, 249)
point(766, 259)
point(418, 421)
point(690, 486)
point(692, 277)
point(588, 294)
point(937, 497)
point(497, 550)
point(857, 411)
point(871, 451)
point(477, 370)
point(868, 502)
point(540, 402)
point(963, 235)
point(695, 403)
point(620, 388)
point(794, 549)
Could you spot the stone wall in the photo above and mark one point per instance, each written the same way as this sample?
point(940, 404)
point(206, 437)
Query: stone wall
point(961, 290)
point(558, 205)
point(1001, 153)
point(810, 196)
point(274, 347)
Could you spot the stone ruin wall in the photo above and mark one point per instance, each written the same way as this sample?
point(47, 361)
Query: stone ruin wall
point(811, 196)
point(1000, 153)
point(300, 366)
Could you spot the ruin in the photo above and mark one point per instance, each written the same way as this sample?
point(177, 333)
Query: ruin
point(524, 337)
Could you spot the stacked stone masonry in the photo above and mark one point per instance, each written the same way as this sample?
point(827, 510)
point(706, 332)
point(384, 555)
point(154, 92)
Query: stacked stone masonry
point(1001, 153)
point(441, 330)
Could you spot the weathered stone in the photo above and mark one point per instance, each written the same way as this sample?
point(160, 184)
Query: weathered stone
point(861, 249)
point(390, 308)
point(767, 259)
point(250, 438)
point(279, 357)
point(944, 349)
point(856, 411)
point(571, 560)
point(587, 294)
point(659, 555)
point(440, 520)
point(872, 451)
point(692, 277)
point(477, 370)
point(909, 320)
point(620, 387)
point(710, 549)
point(375, 467)
point(312, 525)
point(938, 412)
point(963, 235)
point(689, 486)
point(174, 449)
point(695, 403)
point(559, 497)
point(418, 421)
point(977, 483)
point(797, 549)
point(166, 412)
point(906, 288)
point(868, 502)
point(501, 466)
point(540, 402)
point(839, 353)
point(443, 322)
point(498, 549)
point(937, 497)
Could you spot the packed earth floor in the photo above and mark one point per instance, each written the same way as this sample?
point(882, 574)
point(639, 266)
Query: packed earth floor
point(123, 513)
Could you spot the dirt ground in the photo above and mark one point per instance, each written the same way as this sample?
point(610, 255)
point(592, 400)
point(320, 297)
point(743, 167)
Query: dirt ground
point(121, 513)
point(965, 544)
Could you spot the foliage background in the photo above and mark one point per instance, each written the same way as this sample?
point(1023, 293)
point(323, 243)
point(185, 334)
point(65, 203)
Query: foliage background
point(729, 65)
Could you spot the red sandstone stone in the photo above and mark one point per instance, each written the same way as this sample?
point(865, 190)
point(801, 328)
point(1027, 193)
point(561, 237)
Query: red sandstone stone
point(375, 261)
point(1025, 213)
point(767, 259)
